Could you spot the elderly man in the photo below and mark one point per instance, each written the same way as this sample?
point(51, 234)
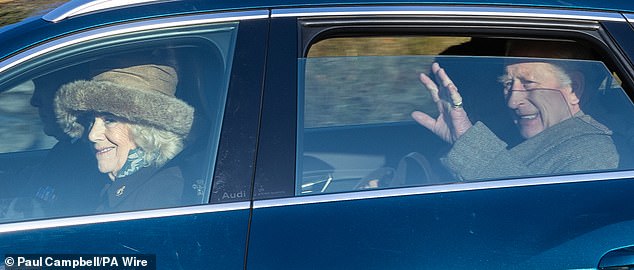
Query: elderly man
point(545, 99)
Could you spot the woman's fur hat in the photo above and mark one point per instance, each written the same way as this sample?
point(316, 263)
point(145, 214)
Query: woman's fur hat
point(139, 94)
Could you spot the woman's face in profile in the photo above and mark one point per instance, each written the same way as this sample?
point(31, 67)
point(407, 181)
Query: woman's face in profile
point(112, 141)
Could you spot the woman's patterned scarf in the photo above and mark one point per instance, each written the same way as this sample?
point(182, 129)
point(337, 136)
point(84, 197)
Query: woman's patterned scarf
point(134, 163)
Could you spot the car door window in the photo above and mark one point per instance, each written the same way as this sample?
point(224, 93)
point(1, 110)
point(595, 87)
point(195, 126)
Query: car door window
point(22, 129)
point(481, 111)
point(117, 123)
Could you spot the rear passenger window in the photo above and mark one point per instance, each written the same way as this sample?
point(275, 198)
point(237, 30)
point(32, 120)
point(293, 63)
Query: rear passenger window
point(121, 123)
point(385, 112)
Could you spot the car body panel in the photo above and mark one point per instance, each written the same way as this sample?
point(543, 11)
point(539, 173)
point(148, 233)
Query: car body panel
point(619, 32)
point(254, 218)
point(158, 232)
point(512, 227)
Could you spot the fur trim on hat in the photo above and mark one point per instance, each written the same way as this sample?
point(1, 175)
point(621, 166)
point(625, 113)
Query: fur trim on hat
point(150, 108)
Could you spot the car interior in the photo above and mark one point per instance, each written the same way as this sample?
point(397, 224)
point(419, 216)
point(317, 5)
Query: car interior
point(341, 157)
point(202, 84)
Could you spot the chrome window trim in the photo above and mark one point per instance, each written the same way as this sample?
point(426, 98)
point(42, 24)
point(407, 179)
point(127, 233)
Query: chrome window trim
point(450, 11)
point(115, 217)
point(79, 7)
point(629, 17)
point(129, 28)
point(456, 187)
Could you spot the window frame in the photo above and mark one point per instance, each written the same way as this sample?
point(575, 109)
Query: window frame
point(254, 20)
point(312, 23)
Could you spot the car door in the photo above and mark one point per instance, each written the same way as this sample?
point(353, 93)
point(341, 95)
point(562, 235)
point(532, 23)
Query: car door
point(346, 179)
point(47, 188)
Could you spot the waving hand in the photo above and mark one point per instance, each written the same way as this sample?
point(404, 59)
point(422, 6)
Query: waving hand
point(452, 120)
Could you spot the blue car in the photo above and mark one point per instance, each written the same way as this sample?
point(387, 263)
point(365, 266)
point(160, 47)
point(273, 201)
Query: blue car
point(319, 135)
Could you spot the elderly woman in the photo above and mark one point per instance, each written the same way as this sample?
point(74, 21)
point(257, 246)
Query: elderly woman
point(136, 125)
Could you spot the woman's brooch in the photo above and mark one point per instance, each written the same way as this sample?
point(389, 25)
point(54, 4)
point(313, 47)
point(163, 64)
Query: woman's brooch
point(120, 191)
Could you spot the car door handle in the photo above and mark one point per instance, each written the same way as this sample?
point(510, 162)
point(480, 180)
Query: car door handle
point(619, 259)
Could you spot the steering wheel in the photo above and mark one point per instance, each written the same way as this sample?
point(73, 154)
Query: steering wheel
point(413, 170)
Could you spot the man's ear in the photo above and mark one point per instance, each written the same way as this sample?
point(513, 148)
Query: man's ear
point(578, 84)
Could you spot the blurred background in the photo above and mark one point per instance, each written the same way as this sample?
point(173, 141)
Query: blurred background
point(20, 127)
point(12, 11)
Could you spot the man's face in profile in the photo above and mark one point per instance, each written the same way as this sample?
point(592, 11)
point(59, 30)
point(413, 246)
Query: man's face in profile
point(42, 99)
point(538, 96)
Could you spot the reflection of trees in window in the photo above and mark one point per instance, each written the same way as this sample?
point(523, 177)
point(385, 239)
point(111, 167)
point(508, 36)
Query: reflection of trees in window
point(364, 90)
point(20, 126)
point(363, 80)
point(16, 10)
point(386, 46)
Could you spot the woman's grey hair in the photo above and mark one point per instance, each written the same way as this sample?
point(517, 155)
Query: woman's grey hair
point(159, 146)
